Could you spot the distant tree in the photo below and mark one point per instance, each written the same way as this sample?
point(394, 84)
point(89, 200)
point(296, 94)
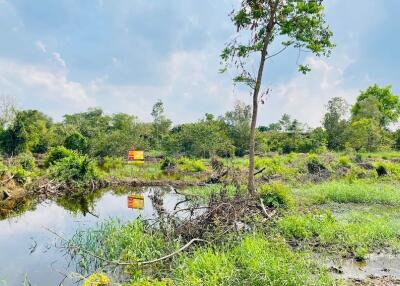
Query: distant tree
point(298, 23)
point(161, 124)
point(28, 132)
point(238, 122)
point(335, 123)
point(205, 138)
point(364, 134)
point(368, 108)
point(387, 102)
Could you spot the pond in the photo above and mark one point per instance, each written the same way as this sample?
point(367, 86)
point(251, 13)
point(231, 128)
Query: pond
point(28, 252)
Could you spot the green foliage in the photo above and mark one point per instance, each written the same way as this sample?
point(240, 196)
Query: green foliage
point(124, 242)
point(191, 165)
point(357, 232)
point(345, 192)
point(111, 163)
point(76, 141)
point(27, 161)
point(238, 125)
point(28, 132)
point(168, 163)
point(344, 161)
point(56, 154)
point(97, 279)
point(75, 170)
point(335, 123)
point(364, 134)
point(254, 260)
point(276, 196)
point(20, 175)
point(206, 138)
point(387, 103)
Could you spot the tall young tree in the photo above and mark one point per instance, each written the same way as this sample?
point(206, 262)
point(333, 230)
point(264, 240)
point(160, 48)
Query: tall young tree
point(293, 23)
point(161, 124)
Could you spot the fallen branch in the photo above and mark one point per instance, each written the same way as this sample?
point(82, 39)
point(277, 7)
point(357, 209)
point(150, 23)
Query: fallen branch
point(259, 171)
point(269, 216)
point(119, 263)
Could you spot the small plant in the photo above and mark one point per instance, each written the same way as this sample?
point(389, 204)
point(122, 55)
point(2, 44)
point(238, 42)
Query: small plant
point(276, 196)
point(97, 279)
point(111, 163)
point(20, 175)
point(360, 253)
point(344, 161)
point(57, 153)
point(191, 165)
point(27, 161)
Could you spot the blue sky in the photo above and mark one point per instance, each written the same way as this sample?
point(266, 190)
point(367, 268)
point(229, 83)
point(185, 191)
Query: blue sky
point(64, 56)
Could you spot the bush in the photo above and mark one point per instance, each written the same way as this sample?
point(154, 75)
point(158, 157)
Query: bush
point(27, 161)
point(21, 176)
point(168, 164)
point(111, 163)
point(76, 170)
point(276, 196)
point(344, 161)
point(191, 165)
point(97, 279)
point(57, 153)
point(76, 141)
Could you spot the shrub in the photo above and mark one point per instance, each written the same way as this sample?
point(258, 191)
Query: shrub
point(27, 161)
point(111, 163)
point(344, 161)
point(75, 169)
point(21, 176)
point(97, 279)
point(57, 153)
point(191, 165)
point(276, 196)
point(76, 141)
point(168, 163)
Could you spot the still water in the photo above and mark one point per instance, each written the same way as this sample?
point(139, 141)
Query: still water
point(28, 252)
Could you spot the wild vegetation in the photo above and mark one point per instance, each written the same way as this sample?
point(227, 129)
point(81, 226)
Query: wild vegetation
point(266, 205)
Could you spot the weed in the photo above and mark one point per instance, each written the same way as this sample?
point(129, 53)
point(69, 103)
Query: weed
point(276, 196)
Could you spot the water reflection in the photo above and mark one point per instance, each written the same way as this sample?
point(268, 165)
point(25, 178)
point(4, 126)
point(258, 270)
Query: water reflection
point(27, 250)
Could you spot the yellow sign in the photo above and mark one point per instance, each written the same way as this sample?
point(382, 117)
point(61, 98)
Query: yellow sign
point(136, 202)
point(135, 156)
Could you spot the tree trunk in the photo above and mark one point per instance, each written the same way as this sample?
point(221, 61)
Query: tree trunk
point(264, 52)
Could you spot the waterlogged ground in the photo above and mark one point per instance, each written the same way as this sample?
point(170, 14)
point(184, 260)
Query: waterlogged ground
point(29, 253)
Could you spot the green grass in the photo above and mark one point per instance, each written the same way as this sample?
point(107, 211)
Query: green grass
point(361, 192)
point(356, 232)
point(253, 261)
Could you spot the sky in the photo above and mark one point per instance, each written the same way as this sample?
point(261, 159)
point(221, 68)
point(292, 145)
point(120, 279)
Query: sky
point(65, 56)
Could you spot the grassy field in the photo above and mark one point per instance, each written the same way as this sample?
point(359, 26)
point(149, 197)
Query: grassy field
point(346, 210)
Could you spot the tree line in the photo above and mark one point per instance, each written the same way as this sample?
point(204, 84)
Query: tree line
point(365, 126)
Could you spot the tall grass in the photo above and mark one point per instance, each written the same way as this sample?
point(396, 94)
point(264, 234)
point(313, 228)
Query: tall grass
point(361, 191)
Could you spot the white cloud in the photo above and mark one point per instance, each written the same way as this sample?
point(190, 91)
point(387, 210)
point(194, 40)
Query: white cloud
point(57, 57)
point(304, 97)
point(41, 87)
point(41, 46)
